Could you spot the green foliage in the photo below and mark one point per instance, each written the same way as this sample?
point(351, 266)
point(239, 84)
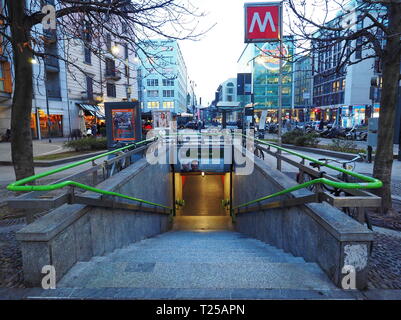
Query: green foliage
point(87, 144)
point(299, 138)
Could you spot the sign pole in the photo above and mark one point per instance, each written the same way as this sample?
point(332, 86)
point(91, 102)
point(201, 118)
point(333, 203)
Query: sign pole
point(280, 91)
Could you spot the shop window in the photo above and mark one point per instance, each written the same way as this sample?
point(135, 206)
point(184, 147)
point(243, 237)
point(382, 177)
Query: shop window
point(111, 90)
point(153, 104)
point(5, 78)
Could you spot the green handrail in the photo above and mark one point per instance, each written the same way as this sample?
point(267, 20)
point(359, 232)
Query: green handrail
point(21, 184)
point(371, 183)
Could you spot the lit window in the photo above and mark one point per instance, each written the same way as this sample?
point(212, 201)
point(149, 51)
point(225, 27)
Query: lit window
point(153, 104)
point(168, 104)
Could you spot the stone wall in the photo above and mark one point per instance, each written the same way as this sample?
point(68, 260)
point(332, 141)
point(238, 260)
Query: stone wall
point(73, 233)
point(317, 232)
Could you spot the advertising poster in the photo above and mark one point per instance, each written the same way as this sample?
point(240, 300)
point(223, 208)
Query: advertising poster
point(123, 121)
point(161, 119)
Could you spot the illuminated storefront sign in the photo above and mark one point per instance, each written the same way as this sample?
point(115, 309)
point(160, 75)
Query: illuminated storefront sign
point(269, 54)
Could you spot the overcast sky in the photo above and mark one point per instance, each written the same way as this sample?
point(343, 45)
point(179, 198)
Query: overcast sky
point(213, 59)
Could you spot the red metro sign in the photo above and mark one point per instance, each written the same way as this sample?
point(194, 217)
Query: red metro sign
point(262, 22)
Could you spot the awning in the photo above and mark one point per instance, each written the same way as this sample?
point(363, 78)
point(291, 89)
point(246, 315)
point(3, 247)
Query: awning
point(92, 109)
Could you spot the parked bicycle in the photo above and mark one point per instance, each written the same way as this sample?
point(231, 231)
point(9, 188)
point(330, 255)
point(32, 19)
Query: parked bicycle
point(348, 165)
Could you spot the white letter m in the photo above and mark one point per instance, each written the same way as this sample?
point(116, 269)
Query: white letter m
point(262, 27)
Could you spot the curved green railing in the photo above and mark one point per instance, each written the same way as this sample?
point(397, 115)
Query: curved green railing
point(21, 184)
point(370, 183)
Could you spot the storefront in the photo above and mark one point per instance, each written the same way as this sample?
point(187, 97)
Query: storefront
point(358, 115)
point(90, 115)
point(40, 123)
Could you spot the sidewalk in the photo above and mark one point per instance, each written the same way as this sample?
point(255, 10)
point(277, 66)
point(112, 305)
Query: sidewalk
point(324, 141)
point(40, 148)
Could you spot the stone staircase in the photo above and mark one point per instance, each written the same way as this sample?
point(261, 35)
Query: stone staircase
point(191, 264)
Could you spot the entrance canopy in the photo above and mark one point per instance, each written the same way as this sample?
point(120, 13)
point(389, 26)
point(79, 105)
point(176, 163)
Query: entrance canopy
point(92, 110)
point(230, 106)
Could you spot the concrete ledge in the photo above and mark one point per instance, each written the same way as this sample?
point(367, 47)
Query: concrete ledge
point(73, 233)
point(324, 152)
point(329, 153)
point(51, 163)
point(317, 232)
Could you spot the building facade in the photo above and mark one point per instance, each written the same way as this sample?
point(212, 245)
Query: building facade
point(261, 59)
point(342, 93)
point(71, 98)
point(303, 85)
point(164, 79)
point(108, 77)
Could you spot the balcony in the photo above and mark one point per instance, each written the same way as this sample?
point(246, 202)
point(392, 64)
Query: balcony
point(112, 74)
point(52, 64)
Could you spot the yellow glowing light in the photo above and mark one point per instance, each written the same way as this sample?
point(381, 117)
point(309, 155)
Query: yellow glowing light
point(115, 50)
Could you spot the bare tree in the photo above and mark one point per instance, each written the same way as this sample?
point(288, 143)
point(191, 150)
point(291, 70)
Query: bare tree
point(132, 22)
point(362, 30)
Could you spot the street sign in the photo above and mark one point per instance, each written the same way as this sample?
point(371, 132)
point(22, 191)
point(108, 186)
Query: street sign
point(262, 22)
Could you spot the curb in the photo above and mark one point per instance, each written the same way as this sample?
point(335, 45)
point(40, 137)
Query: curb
point(336, 154)
point(59, 161)
point(341, 155)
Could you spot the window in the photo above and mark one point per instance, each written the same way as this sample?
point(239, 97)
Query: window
point(168, 93)
point(5, 78)
point(168, 104)
point(152, 82)
point(87, 37)
point(108, 42)
point(110, 66)
point(153, 104)
point(53, 85)
point(168, 83)
point(230, 90)
point(89, 88)
point(229, 98)
point(126, 51)
point(111, 90)
point(153, 93)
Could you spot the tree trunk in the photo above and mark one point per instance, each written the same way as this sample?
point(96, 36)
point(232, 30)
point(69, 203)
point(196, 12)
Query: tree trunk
point(21, 137)
point(391, 73)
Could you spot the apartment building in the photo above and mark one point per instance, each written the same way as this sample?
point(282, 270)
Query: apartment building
point(164, 77)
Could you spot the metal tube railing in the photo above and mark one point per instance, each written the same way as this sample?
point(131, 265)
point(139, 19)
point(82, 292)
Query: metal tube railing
point(370, 183)
point(21, 184)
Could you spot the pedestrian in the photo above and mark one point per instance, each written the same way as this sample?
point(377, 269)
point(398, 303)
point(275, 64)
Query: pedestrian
point(94, 130)
point(321, 124)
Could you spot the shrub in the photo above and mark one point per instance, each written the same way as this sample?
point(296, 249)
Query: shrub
point(342, 145)
point(87, 144)
point(299, 138)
